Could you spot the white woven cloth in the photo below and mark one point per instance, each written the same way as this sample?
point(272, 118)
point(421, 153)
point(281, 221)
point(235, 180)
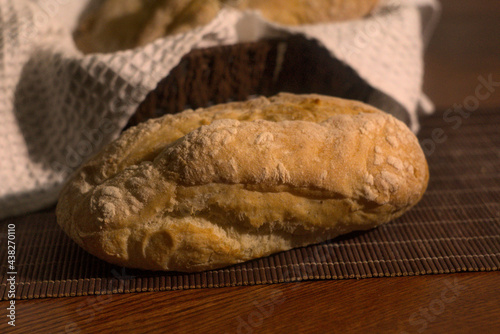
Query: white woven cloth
point(58, 106)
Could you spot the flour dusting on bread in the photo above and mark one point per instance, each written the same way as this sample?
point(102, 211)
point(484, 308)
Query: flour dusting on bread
point(217, 186)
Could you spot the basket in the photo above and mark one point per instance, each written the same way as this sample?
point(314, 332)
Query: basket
point(237, 72)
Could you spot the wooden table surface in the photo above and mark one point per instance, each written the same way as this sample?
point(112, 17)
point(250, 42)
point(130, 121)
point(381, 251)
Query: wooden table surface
point(462, 303)
point(465, 46)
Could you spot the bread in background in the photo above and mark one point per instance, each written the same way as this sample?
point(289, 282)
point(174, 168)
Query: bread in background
point(297, 12)
point(113, 25)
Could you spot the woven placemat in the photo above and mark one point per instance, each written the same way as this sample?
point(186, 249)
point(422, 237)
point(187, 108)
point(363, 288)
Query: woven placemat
point(455, 228)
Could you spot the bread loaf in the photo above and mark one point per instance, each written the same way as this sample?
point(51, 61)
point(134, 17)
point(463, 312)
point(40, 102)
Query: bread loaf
point(297, 12)
point(114, 25)
point(213, 187)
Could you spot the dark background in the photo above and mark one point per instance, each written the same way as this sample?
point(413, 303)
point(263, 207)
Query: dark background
point(466, 44)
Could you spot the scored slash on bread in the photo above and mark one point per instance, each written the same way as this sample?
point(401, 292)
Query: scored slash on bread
point(213, 187)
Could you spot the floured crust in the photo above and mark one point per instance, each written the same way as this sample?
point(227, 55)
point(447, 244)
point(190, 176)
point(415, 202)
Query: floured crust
point(208, 188)
point(116, 25)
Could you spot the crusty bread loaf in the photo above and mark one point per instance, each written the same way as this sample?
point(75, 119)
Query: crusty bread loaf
point(296, 12)
point(208, 188)
point(113, 25)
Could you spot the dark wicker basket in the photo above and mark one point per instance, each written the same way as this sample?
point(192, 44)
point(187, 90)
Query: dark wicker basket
point(234, 73)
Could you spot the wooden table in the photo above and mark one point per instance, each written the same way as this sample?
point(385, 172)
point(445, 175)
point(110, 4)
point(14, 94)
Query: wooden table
point(460, 303)
point(466, 45)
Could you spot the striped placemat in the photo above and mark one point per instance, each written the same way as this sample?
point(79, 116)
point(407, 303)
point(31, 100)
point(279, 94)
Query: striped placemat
point(455, 228)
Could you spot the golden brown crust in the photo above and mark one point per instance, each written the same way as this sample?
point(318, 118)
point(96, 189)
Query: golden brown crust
point(297, 12)
point(213, 187)
point(124, 24)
